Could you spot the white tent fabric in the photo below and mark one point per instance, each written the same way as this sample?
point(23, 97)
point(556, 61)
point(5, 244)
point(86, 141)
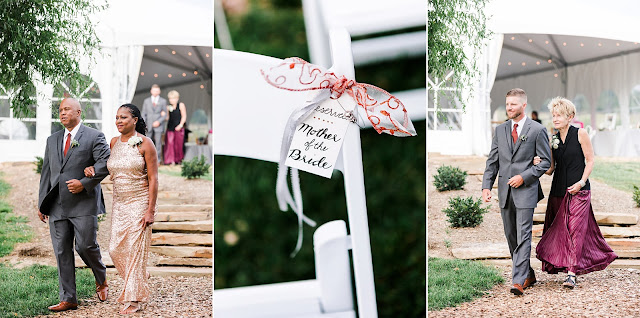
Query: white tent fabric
point(124, 28)
point(613, 20)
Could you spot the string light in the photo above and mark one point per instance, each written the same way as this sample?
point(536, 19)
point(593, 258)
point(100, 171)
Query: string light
point(537, 62)
point(555, 75)
point(195, 72)
point(156, 50)
point(201, 86)
point(564, 43)
point(141, 73)
point(170, 76)
point(524, 64)
point(617, 44)
point(599, 44)
point(173, 52)
point(530, 40)
point(513, 38)
point(549, 60)
point(509, 63)
point(581, 44)
point(546, 42)
point(155, 75)
point(207, 54)
point(189, 53)
point(184, 74)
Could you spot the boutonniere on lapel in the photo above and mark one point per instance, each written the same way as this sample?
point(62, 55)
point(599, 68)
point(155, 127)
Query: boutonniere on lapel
point(555, 142)
point(74, 143)
point(523, 138)
point(134, 141)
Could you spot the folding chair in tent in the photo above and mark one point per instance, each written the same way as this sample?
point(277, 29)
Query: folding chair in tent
point(249, 120)
point(389, 30)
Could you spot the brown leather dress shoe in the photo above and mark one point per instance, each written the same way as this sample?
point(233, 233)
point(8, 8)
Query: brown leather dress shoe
point(63, 305)
point(517, 289)
point(529, 281)
point(102, 291)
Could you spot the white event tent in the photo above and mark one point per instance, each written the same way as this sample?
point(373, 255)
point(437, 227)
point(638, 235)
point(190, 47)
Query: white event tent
point(130, 32)
point(587, 51)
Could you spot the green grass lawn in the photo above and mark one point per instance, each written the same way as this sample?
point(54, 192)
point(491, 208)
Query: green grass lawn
point(13, 229)
point(452, 282)
point(29, 291)
point(620, 175)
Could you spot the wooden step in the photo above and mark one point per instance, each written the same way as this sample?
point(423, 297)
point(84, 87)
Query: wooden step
point(106, 260)
point(183, 216)
point(181, 239)
point(482, 251)
point(184, 207)
point(601, 218)
point(183, 251)
point(191, 226)
point(165, 271)
point(607, 231)
point(185, 261)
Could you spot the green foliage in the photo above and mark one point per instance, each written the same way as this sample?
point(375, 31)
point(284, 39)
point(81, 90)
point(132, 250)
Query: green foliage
point(465, 212)
point(48, 39)
point(636, 195)
point(452, 26)
point(195, 168)
point(28, 291)
point(38, 162)
point(13, 229)
point(453, 281)
point(450, 178)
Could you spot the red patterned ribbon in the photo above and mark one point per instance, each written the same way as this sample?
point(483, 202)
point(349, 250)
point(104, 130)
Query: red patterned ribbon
point(385, 112)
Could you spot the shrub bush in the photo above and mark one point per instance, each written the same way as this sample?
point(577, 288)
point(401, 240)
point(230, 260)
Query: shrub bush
point(450, 178)
point(195, 168)
point(465, 212)
point(38, 163)
point(636, 195)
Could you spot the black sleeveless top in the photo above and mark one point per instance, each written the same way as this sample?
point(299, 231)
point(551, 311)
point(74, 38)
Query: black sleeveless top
point(570, 164)
point(174, 118)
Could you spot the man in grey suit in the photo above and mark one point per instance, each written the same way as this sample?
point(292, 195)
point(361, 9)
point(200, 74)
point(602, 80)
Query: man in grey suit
point(71, 202)
point(515, 143)
point(154, 111)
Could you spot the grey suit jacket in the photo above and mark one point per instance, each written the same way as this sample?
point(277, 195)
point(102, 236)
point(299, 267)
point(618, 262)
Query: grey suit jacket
point(507, 160)
point(152, 113)
point(92, 150)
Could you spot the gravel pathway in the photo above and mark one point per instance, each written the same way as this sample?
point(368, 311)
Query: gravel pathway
point(608, 293)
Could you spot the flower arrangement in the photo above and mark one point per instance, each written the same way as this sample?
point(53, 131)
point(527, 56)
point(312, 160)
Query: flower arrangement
point(134, 141)
point(74, 143)
point(555, 141)
point(523, 138)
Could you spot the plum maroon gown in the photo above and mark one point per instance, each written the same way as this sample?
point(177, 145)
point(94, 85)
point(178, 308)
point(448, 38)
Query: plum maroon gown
point(130, 241)
point(571, 239)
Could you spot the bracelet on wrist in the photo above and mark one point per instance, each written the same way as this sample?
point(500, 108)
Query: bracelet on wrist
point(582, 183)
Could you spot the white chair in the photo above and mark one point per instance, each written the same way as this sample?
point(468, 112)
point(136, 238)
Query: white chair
point(249, 120)
point(387, 27)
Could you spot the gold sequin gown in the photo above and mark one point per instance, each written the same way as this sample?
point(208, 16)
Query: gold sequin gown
point(129, 242)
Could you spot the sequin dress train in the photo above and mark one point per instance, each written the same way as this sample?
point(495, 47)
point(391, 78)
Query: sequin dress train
point(130, 241)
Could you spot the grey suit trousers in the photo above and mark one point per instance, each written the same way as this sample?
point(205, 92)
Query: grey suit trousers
point(155, 134)
point(517, 228)
point(64, 230)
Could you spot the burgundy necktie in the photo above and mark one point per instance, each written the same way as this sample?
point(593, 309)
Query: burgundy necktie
point(514, 133)
point(67, 144)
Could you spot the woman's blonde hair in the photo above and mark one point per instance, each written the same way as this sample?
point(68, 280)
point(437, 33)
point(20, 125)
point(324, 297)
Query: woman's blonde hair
point(173, 94)
point(562, 106)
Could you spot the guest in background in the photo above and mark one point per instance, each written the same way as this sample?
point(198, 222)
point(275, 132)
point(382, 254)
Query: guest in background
point(154, 111)
point(176, 118)
point(534, 116)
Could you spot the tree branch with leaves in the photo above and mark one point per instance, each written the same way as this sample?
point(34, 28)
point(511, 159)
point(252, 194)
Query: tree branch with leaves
point(43, 39)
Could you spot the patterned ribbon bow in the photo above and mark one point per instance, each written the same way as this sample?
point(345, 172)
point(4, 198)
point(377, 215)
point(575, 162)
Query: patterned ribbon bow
point(385, 112)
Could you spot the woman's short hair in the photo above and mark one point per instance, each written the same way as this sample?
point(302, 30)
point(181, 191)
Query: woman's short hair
point(173, 94)
point(562, 106)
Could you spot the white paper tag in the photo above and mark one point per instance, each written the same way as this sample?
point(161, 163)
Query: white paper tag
point(317, 140)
